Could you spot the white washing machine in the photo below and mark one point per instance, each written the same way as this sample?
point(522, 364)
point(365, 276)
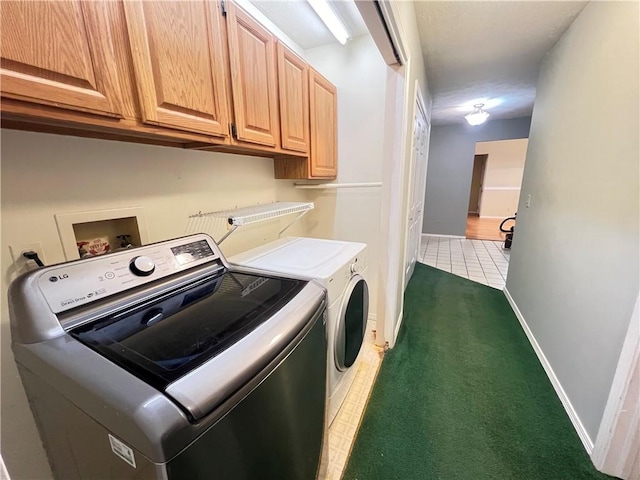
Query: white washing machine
point(341, 267)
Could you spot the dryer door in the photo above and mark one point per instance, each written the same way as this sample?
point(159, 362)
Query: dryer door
point(352, 322)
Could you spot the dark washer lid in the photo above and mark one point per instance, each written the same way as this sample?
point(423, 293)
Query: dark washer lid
point(164, 340)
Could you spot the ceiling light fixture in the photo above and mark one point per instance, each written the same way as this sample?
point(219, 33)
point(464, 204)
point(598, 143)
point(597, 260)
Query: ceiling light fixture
point(330, 19)
point(478, 116)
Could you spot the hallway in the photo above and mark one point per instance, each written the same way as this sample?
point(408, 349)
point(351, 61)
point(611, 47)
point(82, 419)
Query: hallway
point(463, 396)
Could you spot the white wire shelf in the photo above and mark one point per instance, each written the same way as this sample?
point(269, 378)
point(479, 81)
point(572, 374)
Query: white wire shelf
point(245, 216)
point(258, 213)
point(324, 186)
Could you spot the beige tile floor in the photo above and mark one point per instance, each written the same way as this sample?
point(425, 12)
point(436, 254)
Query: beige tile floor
point(343, 430)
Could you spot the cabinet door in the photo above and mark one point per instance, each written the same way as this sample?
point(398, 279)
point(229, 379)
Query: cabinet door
point(177, 50)
point(252, 57)
point(60, 53)
point(293, 85)
point(324, 127)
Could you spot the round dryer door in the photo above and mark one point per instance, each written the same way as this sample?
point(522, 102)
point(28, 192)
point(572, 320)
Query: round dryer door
point(352, 322)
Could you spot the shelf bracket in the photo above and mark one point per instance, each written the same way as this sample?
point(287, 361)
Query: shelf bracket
point(302, 214)
point(231, 230)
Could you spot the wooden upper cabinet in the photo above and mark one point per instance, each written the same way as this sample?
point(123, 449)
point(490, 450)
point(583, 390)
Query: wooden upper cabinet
point(324, 127)
point(252, 59)
point(293, 83)
point(60, 53)
point(179, 64)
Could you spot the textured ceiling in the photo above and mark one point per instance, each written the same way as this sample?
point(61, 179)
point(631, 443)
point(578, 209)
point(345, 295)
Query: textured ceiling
point(300, 23)
point(488, 50)
point(475, 51)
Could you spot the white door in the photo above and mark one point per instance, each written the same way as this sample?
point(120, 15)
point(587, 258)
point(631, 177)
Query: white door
point(418, 180)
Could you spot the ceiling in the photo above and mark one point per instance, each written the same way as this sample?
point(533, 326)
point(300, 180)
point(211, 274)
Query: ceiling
point(488, 52)
point(475, 51)
point(300, 23)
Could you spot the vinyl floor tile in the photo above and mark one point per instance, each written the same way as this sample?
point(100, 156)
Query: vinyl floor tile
point(482, 261)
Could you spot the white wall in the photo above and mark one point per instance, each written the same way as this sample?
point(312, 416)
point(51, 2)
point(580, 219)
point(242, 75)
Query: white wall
point(574, 264)
point(353, 214)
point(502, 176)
point(47, 174)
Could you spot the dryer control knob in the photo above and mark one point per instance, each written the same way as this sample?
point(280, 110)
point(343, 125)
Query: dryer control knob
point(142, 266)
point(353, 267)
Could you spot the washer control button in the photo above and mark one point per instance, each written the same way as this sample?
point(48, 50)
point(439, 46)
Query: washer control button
point(142, 266)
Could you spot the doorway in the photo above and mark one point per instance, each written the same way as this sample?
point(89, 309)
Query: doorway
point(480, 228)
point(494, 193)
point(475, 196)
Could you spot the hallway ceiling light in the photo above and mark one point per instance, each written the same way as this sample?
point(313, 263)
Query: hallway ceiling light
point(330, 19)
point(489, 103)
point(478, 116)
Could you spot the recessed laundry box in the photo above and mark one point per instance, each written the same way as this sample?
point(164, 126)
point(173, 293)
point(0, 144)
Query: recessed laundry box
point(341, 267)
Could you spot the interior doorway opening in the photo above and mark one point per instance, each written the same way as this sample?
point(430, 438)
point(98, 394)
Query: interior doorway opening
point(475, 196)
point(494, 192)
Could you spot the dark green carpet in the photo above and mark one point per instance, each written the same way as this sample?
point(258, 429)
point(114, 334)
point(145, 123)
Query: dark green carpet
point(463, 395)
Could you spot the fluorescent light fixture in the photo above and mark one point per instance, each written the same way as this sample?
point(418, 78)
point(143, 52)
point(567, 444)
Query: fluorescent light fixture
point(330, 19)
point(478, 116)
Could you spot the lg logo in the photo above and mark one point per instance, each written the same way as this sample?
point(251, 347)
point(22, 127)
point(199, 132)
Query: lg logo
point(59, 277)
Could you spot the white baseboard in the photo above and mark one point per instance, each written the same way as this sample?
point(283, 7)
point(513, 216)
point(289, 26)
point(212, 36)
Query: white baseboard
point(371, 333)
point(492, 216)
point(577, 424)
point(398, 324)
point(372, 324)
point(391, 342)
point(444, 236)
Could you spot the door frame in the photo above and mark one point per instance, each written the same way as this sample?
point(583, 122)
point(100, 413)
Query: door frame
point(417, 173)
point(393, 218)
point(394, 212)
point(616, 446)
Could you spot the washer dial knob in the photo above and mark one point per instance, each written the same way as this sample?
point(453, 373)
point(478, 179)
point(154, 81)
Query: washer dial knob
point(354, 267)
point(142, 266)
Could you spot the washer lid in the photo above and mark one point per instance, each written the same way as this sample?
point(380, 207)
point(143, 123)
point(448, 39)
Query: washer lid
point(307, 257)
point(163, 341)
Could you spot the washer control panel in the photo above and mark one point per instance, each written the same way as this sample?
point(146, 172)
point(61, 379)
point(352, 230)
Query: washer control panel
point(142, 266)
point(73, 284)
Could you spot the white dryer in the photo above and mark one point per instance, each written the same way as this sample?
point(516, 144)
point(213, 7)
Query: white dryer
point(341, 267)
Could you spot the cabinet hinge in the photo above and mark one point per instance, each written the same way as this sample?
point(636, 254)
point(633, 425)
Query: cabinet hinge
point(223, 6)
point(234, 131)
